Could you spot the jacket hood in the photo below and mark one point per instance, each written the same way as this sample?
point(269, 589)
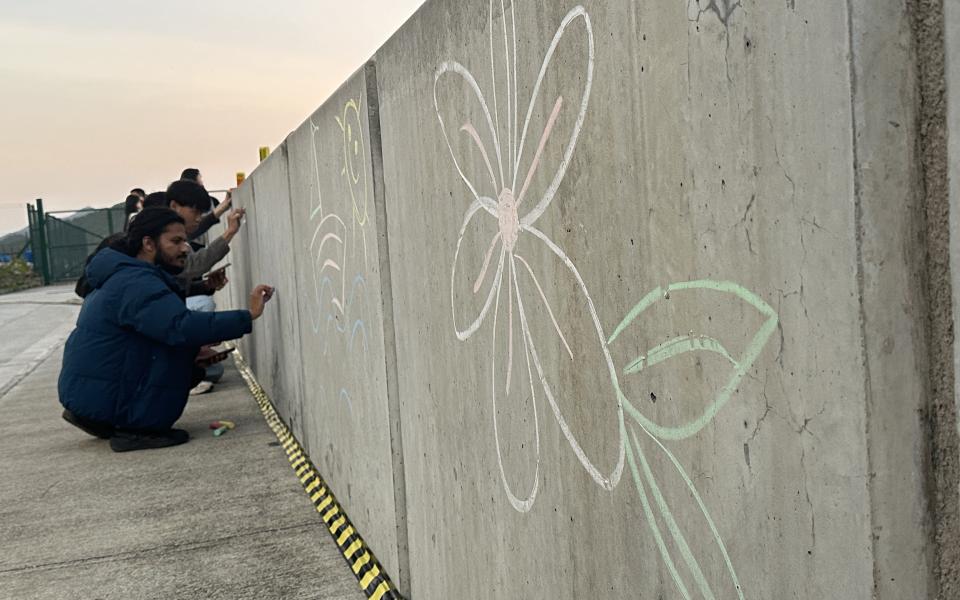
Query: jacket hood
point(106, 263)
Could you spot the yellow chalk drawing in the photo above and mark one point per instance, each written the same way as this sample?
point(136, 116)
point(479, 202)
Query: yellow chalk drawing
point(355, 167)
point(506, 278)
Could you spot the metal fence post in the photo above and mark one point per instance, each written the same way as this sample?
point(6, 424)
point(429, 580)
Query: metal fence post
point(31, 234)
point(42, 256)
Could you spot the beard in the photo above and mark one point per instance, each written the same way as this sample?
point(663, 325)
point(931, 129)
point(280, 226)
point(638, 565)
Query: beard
point(168, 266)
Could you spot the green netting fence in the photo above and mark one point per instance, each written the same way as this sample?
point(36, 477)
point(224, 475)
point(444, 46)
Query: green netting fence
point(61, 241)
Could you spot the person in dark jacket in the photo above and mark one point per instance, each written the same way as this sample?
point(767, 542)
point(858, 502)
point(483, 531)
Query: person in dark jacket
point(131, 206)
point(127, 366)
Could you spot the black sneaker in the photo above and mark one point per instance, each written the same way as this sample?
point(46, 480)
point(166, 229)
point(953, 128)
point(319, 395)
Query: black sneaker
point(94, 428)
point(125, 440)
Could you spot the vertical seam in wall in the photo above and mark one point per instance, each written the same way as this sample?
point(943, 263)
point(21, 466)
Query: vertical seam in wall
point(250, 256)
point(929, 39)
point(950, 40)
point(300, 391)
point(858, 231)
point(389, 329)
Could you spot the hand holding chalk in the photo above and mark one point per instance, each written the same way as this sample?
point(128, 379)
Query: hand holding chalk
point(259, 298)
point(233, 223)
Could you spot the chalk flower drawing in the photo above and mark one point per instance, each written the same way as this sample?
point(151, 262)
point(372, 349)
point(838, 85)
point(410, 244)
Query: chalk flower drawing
point(506, 210)
point(501, 156)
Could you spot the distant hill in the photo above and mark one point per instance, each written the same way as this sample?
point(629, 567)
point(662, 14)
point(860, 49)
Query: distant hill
point(13, 242)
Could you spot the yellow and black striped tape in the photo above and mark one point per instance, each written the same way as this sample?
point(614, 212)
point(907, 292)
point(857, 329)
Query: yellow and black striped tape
point(374, 581)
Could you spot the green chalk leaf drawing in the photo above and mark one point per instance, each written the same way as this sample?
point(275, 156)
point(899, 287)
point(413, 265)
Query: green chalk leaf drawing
point(643, 428)
point(507, 283)
point(683, 344)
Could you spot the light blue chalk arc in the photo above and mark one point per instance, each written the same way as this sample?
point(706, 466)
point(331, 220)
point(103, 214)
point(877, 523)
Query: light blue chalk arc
point(684, 344)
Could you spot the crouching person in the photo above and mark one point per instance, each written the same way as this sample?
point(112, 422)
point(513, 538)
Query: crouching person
point(127, 367)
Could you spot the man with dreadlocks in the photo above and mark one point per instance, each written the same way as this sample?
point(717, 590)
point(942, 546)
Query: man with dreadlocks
point(127, 366)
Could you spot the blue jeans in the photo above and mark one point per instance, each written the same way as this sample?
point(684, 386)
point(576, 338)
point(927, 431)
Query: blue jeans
point(206, 304)
point(201, 303)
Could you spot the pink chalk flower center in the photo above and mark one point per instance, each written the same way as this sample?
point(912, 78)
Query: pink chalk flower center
point(508, 218)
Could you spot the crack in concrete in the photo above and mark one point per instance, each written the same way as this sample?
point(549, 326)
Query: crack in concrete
point(813, 223)
point(689, 76)
point(766, 412)
point(749, 242)
point(783, 341)
point(724, 10)
point(803, 425)
point(776, 153)
point(743, 221)
point(49, 488)
point(806, 423)
point(803, 263)
point(806, 493)
point(746, 212)
point(793, 199)
point(803, 304)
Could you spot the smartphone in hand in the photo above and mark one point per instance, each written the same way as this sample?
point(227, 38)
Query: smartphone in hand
point(209, 356)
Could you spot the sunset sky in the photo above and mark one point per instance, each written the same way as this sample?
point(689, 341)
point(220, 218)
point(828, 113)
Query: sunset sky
point(102, 96)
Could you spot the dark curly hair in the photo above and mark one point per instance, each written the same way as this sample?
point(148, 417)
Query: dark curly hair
point(150, 222)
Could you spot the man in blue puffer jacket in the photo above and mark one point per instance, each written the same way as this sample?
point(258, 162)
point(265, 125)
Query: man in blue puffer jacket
point(127, 367)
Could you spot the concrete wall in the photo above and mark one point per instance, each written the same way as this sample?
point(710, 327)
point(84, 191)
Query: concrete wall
point(245, 257)
point(319, 350)
point(615, 300)
point(278, 361)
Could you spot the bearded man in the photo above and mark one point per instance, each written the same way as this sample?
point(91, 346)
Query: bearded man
point(127, 366)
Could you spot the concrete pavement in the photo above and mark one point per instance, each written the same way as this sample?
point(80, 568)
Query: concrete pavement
point(33, 324)
point(215, 518)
